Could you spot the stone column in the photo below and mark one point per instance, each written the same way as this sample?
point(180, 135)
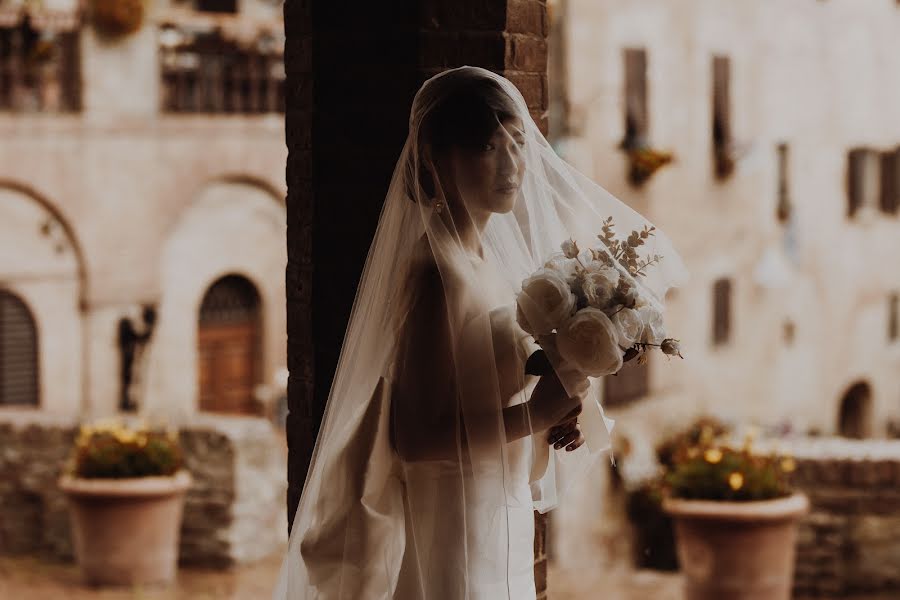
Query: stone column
point(352, 72)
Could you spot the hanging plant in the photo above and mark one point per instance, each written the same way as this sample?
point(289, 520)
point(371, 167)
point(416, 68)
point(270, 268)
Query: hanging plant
point(117, 17)
point(643, 162)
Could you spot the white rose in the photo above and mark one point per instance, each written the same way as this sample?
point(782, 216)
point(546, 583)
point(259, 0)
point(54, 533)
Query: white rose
point(570, 248)
point(599, 284)
point(589, 342)
point(558, 262)
point(629, 326)
point(654, 332)
point(544, 303)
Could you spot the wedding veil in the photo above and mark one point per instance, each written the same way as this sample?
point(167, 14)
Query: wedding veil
point(429, 464)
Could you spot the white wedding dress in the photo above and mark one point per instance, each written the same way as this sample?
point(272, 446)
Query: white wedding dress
point(437, 550)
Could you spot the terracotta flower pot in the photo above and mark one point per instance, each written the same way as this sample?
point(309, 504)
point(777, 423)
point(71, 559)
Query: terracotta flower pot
point(126, 530)
point(737, 550)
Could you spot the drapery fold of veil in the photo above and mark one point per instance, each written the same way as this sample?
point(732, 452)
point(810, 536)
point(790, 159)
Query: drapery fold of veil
point(415, 489)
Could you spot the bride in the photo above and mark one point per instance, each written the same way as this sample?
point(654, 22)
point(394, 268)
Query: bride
point(436, 447)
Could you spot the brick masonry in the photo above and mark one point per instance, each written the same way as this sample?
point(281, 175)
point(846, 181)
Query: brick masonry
point(850, 542)
point(234, 512)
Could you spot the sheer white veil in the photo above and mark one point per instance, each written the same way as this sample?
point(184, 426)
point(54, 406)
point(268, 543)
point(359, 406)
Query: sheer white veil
point(416, 488)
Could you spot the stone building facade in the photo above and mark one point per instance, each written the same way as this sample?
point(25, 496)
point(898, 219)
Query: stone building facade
point(157, 175)
point(782, 198)
point(810, 301)
point(142, 222)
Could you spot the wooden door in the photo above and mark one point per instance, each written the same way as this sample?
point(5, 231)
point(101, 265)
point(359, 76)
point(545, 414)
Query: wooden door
point(228, 347)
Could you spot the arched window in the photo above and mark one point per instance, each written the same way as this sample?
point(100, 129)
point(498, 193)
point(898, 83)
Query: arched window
point(18, 353)
point(229, 340)
point(854, 420)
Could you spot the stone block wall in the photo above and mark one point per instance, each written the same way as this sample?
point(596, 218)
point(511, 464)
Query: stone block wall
point(850, 541)
point(234, 512)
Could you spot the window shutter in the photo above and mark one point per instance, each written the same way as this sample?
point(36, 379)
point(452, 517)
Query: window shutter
point(721, 100)
point(890, 181)
point(721, 311)
point(18, 353)
point(855, 178)
point(636, 114)
point(784, 201)
point(894, 317)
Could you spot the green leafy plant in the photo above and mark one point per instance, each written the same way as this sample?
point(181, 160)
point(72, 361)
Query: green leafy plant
point(112, 450)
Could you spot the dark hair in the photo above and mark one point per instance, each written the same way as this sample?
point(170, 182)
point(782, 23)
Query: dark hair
point(465, 118)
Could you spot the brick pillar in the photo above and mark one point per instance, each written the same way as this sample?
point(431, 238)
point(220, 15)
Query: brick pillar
point(352, 71)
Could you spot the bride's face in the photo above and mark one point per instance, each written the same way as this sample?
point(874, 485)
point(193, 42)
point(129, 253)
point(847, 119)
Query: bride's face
point(489, 177)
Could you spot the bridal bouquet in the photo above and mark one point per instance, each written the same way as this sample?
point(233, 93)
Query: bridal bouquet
point(589, 309)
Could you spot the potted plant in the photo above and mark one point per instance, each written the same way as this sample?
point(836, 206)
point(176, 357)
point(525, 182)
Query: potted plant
point(116, 18)
point(125, 487)
point(736, 519)
point(644, 161)
point(654, 534)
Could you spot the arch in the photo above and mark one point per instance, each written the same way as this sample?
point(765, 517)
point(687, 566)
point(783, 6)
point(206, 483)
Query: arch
point(51, 208)
point(230, 228)
point(19, 363)
point(855, 412)
point(278, 195)
point(229, 338)
point(42, 262)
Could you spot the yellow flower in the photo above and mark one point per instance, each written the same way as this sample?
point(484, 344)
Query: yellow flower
point(86, 431)
point(736, 481)
point(788, 464)
point(125, 436)
point(106, 425)
point(713, 456)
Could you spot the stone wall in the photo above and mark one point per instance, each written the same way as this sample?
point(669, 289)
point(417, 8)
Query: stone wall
point(234, 512)
point(850, 541)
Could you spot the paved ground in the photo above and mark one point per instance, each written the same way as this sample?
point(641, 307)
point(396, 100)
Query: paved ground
point(30, 579)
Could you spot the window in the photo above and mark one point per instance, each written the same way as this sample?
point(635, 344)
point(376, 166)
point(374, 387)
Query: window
point(721, 311)
point(18, 353)
point(636, 117)
point(218, 6)
point(630, 384)
point(203, 71)
point(890, 181)
point(894, 318)
point(721, 117)
point(862, 179)
point(39, 67)
point(784, 199)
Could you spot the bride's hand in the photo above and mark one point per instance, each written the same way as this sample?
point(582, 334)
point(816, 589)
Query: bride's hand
point(550, 403)
point(567, 433)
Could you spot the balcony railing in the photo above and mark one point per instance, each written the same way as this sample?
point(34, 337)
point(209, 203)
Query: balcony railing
point(210, 70)
point(40, 67)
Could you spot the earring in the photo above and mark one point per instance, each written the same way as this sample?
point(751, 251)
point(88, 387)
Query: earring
point(439, 206)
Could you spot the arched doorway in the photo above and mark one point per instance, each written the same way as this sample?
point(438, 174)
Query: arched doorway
point(18, 353)
point(229, 342)
point(854, 419)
